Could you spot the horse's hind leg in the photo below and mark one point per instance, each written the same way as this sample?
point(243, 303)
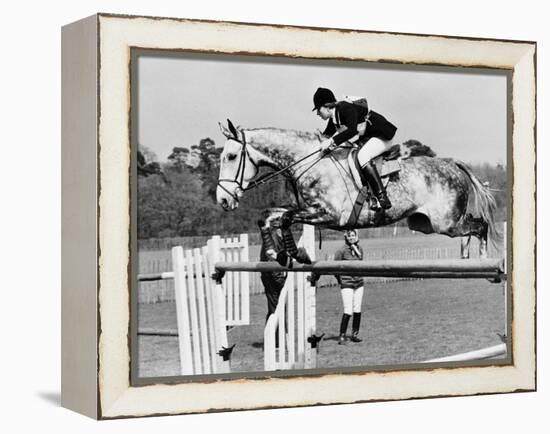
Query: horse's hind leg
point(467, 227)
point(483, 240)
point(479, 229)
point(465, 247)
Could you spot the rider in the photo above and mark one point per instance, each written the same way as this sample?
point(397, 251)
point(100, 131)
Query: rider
point(355, 123)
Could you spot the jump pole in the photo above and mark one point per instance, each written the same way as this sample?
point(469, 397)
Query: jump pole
point(485, 353)
point(437, 269)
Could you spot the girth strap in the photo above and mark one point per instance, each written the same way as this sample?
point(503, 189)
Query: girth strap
point(357, 206)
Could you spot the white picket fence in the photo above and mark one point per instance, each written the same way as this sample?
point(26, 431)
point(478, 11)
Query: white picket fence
point(202, 333)
point(204, 309)
point(236, 286)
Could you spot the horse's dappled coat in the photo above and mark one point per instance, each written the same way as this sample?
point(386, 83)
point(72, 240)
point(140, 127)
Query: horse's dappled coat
point(431, 193)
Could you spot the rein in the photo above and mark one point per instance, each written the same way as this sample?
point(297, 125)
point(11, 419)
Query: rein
point(239, 175)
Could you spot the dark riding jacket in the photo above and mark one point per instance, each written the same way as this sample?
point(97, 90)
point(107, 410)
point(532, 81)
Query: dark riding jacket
point(276, 278)
point(348, 253)
point(349, 116)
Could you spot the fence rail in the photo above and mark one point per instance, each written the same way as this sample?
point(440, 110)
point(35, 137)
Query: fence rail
point(159, 261)
point(159, 291)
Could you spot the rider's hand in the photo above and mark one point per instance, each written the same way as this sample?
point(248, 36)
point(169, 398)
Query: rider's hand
point(326, 145)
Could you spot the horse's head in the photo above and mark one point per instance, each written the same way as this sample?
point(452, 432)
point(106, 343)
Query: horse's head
point(237, 167)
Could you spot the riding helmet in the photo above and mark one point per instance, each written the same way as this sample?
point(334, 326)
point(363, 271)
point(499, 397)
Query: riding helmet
point(321, 97)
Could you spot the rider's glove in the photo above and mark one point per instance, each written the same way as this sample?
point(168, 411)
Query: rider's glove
point(326, 146)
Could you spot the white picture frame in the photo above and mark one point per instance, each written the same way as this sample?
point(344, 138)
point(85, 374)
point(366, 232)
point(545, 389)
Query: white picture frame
point(96, 256)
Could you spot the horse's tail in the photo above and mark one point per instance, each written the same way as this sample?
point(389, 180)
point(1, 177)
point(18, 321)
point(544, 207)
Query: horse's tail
point(484, 204)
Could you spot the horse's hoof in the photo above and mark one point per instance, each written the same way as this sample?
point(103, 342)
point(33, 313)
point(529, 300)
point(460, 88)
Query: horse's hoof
point(384, 202)
point(313, 278)
point(302, 257)
point(284, 259)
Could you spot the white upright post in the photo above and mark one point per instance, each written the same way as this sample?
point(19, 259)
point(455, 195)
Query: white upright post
point(308, 238)
point(192, 303)
point(209, 288)
point(218, 301)
point(201, 307)
point(182, 310)
point(226, 255)
point(244, 282)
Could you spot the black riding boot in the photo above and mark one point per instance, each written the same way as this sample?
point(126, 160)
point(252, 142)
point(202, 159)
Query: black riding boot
point(373, 178)
point(356, 323)
point(343, 328)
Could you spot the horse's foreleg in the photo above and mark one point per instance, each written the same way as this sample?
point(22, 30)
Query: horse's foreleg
point(298, 253)
point(288, 239)
point(267, 239)
point(272, 215)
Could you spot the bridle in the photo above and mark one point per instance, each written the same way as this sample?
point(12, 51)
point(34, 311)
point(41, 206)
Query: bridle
point(239, 175)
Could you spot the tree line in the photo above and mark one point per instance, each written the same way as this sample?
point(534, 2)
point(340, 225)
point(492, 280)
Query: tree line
point(178, 198)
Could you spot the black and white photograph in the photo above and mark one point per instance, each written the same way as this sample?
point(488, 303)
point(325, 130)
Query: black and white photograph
point(311, 216)
point(276, 216)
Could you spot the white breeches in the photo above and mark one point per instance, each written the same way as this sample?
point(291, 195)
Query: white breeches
point(373, 148)
point(352, 298)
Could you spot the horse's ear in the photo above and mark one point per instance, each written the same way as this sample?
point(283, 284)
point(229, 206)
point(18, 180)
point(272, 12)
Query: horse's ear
point(232, 129)
point(225, 131)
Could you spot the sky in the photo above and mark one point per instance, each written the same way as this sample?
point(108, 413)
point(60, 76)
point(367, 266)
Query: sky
point(460, 113)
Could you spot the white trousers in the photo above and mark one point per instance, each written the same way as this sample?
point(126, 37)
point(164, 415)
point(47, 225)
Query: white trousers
point(351, 299)
point(373, 148)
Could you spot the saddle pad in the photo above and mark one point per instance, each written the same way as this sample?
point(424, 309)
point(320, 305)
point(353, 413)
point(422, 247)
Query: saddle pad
point(385, 168)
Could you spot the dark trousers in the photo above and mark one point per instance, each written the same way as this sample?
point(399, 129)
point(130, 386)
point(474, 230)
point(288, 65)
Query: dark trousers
point(272, 288)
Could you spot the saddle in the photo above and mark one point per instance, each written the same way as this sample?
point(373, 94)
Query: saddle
point(386, 163)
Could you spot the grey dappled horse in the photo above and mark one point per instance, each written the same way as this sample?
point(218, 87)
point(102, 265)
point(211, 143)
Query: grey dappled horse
point(431, 193)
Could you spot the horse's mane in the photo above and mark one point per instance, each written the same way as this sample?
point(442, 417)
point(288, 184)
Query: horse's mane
point(279, 136)
point(418, 149)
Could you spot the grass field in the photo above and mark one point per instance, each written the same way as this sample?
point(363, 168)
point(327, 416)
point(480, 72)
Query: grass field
point(403, 322)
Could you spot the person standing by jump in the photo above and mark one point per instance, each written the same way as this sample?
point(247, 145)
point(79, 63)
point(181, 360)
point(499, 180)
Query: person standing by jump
point(278, 245)
point(272, 244)
point(351, 287)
